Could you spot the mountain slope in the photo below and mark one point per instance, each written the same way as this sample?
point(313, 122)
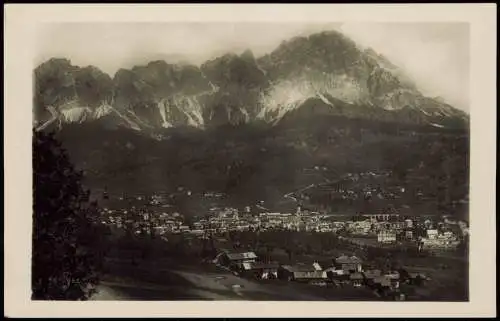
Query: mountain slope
point(252, 162)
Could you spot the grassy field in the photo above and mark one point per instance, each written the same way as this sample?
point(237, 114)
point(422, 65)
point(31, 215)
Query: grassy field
point(175, 270)
point(174, 280)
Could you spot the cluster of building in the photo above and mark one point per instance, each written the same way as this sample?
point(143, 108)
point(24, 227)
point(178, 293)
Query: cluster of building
point(384, 228)
point(140, 221)
point(439, 240)
point(354, 186)
point(218, 221)
point(341, 271)
point(349, 188)
point(428, 233)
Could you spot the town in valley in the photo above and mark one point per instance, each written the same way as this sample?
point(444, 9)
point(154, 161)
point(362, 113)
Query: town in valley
point(366, 256)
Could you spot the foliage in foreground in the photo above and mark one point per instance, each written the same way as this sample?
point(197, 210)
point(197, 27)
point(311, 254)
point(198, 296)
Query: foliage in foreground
point(64, 257)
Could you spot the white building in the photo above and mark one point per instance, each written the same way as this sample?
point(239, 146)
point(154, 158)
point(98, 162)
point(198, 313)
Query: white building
point(432, 234)
point(386, 236)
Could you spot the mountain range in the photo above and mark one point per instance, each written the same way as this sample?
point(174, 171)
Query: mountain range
point(252, 127)
point(323, 73)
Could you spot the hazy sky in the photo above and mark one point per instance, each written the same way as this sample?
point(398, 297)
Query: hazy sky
point(435, 55)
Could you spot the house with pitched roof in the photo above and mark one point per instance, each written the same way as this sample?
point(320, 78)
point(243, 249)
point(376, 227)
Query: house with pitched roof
point(234, 260)
point(356, 279)
point(260, 270)
point(370, 276)
point(382, 282)
point(348, 263)
point(300, 272)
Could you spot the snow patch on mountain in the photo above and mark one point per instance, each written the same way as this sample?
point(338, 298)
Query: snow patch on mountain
point(287, 95)
point(214, 87)
point(132, 124)
point(189, 106)
point(54, 117)
point(323, 98)
point(103, 110)
point(163, 113)
point(76, 115)
point(283, 97)
point(72, 112)
point(192, 109)
point(137, 119)
point(425, 113)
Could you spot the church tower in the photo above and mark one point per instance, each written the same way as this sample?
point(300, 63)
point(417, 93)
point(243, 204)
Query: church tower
point(299, 211)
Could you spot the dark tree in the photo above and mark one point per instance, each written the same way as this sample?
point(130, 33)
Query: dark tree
point(65, 259)
point(289, 253)
point(269, 250)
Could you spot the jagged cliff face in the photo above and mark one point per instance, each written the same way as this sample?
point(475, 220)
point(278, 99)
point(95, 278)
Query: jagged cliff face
point(331, 65)
point(325, 71)
point(239, 81)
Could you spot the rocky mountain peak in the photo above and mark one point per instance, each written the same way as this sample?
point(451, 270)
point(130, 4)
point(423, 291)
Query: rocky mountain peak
point(248, 56)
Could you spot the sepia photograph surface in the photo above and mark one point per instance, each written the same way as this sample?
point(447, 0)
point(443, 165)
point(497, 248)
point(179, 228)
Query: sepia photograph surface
point(252, 160)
